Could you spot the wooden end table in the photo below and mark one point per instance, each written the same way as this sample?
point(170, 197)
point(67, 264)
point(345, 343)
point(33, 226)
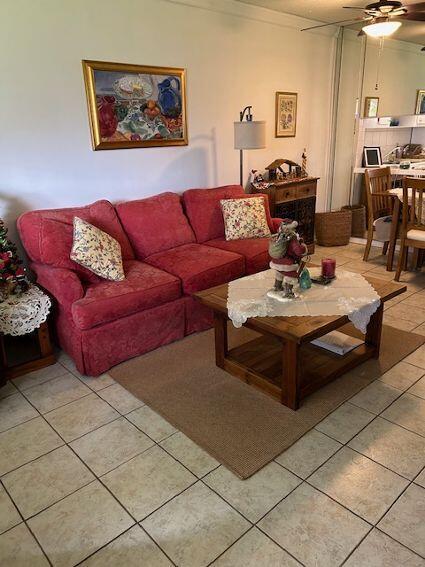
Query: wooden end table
point(282, 362)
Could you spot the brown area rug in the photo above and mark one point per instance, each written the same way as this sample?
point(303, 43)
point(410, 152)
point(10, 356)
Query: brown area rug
point(236, 424)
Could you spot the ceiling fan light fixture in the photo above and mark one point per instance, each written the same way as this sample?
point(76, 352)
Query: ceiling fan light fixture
point(381, 29)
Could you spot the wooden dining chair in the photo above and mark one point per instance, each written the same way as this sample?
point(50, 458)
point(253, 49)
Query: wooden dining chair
point(380, 204)
point(413, 221)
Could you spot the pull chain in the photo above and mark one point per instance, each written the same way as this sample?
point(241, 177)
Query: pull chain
point(381, 48)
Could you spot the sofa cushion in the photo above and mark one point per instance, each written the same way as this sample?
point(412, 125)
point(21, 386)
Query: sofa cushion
point(144, 287)
point(47, 234)
point(155, 224)
point(96, 251)
point(199, 267)
point(254, 250)
point(204, 211)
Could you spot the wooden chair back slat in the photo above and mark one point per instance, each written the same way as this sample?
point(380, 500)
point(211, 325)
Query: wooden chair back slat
point(378, 181)
point(413, 203)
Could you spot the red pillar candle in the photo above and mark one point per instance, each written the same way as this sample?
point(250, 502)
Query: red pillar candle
point(328, 267)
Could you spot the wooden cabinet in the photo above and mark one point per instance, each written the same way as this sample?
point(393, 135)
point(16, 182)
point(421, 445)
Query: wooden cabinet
point(295, 199)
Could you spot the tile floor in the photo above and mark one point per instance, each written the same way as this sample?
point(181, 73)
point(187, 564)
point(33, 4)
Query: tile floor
point(91, 476)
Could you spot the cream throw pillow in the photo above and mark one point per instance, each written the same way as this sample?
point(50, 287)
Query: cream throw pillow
point(97, 251)
point(244, 218)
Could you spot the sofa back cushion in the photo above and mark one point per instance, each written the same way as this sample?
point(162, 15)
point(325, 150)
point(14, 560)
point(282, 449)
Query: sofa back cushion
point(204, 209)
point(47, 235)
point(155, 224)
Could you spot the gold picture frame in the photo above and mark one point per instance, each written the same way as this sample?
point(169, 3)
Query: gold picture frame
point(286, 114)
point(420, 102)
point(371, 105)
point(135, 106)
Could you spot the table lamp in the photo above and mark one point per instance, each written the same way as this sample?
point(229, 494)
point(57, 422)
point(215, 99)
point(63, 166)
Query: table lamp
point(249, 135)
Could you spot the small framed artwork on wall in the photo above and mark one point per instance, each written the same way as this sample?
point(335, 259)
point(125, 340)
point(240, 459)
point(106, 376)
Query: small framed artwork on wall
point(371, 104)
point(135, 106)
point(286, 115)
point(420, 102)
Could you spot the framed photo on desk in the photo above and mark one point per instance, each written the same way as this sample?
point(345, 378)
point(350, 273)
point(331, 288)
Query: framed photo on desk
point(372, 157)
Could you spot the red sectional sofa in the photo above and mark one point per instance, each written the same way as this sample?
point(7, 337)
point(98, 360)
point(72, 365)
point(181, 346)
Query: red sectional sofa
point(172, 246)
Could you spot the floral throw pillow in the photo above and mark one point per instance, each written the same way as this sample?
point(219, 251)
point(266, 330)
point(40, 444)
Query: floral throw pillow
point(97, 251)
point(244, 218)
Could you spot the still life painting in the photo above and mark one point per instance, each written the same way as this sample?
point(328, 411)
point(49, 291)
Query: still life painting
point(133, 106)
point(286, 115)
point(420, 102)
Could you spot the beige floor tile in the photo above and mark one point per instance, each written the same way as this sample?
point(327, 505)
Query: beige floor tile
point(392, 446)
point(46, 480)
point(402, 375)
point(313, 528)
point(26, 442)
point(9, 515)
point(405, 521)
point(195, 527)
point(18, 548)
point(56, 392)
point(7, 390)
point(397, 323)
point(308, 453)
point(80, 417)
point(189, 454)
point(409, 412)
point(111, 445)
point(357, 266)
point(134, 548)
point(148, 481)
point(379, 550)
point(94, 383)
point(376, 397)
point(15, 409)
point(151, 423)
point(255, 496)
point(77, 526)
point(255, 549)
point(119, 398)
point(359, 484)
point(39, 376)
point(418, 389)
point(417, 358)
point(420, 479)
point(345, 422)
point(416, 299)
point(408, 312)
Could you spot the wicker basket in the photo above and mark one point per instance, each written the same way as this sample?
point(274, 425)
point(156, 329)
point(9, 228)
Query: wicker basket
point(334, 228)
point(358, 225)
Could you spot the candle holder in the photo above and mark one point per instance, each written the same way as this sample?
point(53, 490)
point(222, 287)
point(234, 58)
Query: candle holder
point(328, 268)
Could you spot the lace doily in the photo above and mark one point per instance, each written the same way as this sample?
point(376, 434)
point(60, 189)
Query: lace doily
point(349, 294)
point(21, 314)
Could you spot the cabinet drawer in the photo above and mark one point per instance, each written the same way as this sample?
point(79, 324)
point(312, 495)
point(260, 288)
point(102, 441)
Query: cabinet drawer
point(284, 194)
point(307, 190)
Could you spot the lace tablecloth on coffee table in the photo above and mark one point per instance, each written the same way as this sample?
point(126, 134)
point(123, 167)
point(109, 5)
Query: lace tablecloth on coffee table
point(22, 314)
point(349, 294)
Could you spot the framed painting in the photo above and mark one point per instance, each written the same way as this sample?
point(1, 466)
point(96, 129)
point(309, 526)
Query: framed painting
point(420, 102)
point(371, 105)
point(135, 106)
point(286, 115)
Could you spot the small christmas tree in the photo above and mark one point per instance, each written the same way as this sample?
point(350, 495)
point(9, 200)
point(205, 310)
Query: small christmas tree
point(12, 273)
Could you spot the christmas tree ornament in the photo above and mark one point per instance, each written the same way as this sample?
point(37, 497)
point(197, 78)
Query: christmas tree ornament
point(12, 273)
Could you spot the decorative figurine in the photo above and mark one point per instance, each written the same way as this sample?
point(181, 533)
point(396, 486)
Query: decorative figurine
point(304, 163)
point(257, 180)
point(287, 250)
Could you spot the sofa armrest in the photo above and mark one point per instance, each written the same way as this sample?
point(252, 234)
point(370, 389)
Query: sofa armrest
point(63, 284)
point(276, 224)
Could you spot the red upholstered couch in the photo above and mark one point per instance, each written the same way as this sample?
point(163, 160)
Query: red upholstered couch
point(172, 246)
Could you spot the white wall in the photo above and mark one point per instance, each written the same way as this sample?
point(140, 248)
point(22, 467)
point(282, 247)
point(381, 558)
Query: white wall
point(234, 55)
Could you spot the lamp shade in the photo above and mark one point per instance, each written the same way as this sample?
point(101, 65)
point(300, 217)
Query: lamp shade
point(381, 29)
point(250, 135)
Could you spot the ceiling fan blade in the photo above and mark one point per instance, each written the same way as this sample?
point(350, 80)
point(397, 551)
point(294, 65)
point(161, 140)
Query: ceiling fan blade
point(413, 16)
point(351, 20)
point(353, 8)
point(419, 7)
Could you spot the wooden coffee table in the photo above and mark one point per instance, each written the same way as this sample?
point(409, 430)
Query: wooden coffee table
point(283, 362)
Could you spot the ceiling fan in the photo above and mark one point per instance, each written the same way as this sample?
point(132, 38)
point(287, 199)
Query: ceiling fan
point(382, 18)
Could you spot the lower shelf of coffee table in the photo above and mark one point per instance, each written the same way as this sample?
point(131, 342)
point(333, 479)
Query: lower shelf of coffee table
point(259, 363)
